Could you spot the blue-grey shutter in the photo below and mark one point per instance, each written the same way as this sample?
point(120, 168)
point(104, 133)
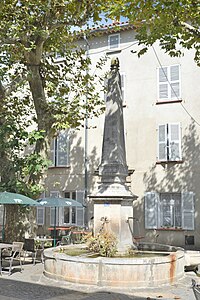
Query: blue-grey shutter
point(40, 215)
point(162, 142)
point(1, 214)
point(188, 210)
point(80, 196)
point(174, 141)
point(152, 211)
point(52, 153)
point(123, 78)
point(163, 84)
point(80, 216)
point(175, 81)
point(63, 149)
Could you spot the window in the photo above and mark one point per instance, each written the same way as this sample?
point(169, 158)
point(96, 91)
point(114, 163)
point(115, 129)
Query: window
point(114, 41)
point(169, 83)
point(60, 150)
point(73, 215)
point(75, 195)
point(169, 210)
point(169, 142)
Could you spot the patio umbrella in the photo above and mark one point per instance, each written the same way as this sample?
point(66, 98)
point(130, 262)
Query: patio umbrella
point(58, 202)
point(13, 198)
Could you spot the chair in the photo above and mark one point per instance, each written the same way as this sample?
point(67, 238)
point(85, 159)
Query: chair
point(65, 240)
point(29, 247)
point(15, 255)
point(196, 289)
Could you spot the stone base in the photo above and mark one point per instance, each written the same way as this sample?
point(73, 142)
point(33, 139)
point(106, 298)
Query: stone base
point(111, 215)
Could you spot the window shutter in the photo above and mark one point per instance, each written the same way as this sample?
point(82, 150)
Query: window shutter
point(40, 215)
point(123, 78)
point(175, 81)
point(80, 196)
point(151, 210)
point(61, 216)
point(162, 142)
point(80, 216)
point(1, 214)
point(163, 83)
point(52, 153)
point(188, 210)
point(63, 149)
point(174, 141)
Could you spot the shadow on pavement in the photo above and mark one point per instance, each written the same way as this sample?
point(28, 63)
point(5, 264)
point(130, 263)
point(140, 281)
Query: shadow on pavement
point(13, 289)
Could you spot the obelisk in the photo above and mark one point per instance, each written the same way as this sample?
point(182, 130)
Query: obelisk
point(113, 199)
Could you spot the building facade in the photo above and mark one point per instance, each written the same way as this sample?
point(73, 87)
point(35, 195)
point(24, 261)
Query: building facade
point(162, 127)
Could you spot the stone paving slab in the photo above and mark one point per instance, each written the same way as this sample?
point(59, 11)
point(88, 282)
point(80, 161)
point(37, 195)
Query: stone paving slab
point(31, 284)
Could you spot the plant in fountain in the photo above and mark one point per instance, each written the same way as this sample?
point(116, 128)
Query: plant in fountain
point(104, 243)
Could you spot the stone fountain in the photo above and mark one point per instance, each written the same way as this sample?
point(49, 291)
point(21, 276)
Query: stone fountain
point(113, 203)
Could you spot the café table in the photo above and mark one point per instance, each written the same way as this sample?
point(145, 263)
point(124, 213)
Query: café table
point(3, 246)
point(42, 241)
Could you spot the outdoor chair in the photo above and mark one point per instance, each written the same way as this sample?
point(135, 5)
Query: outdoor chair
point(196, 289)
point(30, 247)
point(65, 240)
point(12, 257)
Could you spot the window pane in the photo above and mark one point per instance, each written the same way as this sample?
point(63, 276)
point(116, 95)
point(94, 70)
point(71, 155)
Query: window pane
point(174, 73)
point(163, 91)
point(175, 90)
point(162, 134)
point(67, 195)
point(171, 210)
point(114, 41)
point(163, 74)
point(73, 215)
point(66, 214)
point(174, 151)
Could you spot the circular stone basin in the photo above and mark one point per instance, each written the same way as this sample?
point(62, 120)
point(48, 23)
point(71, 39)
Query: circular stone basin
point(114, 272)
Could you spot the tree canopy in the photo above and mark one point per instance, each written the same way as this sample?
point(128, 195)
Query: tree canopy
point(175, 24)
point(35, 88)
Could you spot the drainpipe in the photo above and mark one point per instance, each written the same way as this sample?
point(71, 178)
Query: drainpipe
point(86, 137)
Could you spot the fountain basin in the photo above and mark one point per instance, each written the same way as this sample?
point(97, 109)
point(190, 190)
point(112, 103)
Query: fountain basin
point(115, 272)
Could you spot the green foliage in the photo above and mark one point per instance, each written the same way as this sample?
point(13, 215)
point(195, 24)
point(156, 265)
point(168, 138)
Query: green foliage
point(104, 243)
point(174, 23)
point(36, 88)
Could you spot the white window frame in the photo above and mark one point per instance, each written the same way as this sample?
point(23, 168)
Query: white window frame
point(168, 142)
point(154, 211)
point(54, 151)
point(113, 47)
point(78, 211)
point(169, 82)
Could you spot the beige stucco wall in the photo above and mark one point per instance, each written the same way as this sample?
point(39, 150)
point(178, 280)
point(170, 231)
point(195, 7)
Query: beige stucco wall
point(141, 118)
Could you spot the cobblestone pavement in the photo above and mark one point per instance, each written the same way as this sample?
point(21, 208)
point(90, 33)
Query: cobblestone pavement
point(31, 284)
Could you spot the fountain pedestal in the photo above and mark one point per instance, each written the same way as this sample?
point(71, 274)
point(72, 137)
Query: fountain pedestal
point(113, 199)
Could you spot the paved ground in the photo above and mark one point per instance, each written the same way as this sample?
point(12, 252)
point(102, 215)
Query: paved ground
point(31, 284)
